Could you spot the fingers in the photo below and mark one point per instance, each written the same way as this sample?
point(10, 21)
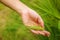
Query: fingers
point(46, 33)
point(40, 21)
point(36, 18)
point(35, 32)
point(41, 32)
point(38, 32)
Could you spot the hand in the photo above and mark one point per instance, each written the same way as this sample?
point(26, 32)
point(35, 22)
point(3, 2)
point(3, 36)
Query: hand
point(31, 18)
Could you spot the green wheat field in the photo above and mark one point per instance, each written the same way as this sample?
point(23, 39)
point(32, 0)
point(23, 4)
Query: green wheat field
point(12, 28)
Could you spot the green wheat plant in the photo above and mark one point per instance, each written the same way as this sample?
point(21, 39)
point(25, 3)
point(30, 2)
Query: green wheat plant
point(12, 28)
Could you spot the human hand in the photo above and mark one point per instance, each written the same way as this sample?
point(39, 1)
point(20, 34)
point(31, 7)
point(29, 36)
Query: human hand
point(31, 18)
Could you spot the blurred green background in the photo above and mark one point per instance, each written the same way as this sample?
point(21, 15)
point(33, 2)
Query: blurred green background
point(12, 28)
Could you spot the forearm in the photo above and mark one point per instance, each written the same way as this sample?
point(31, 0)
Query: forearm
point(15, 4)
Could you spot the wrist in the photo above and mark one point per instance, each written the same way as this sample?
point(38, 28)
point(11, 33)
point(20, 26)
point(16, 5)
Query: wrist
point(21, 8)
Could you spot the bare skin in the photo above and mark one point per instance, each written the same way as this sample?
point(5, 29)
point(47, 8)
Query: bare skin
point(29, 16)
